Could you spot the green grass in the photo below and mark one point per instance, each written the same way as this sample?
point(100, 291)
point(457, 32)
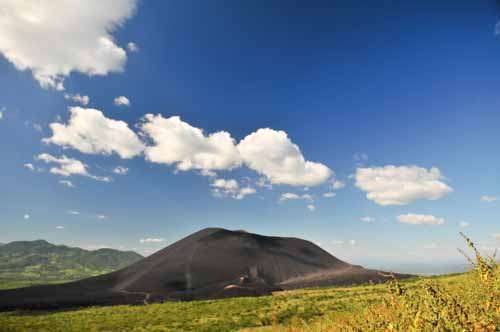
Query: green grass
point(283, 309)
point(37, 276)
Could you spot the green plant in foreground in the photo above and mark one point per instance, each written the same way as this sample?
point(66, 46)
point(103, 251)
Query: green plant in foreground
point(473, 305)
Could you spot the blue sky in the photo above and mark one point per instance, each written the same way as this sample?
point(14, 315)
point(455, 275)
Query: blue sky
point(356, 88)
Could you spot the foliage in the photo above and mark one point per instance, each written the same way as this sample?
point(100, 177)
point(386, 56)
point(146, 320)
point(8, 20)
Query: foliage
point(25, 263)
point(471, 305)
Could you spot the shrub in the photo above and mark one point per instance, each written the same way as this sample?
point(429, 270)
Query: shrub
point(473, 305)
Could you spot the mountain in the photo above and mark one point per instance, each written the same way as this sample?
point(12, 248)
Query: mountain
point(212, 263)
point(42, 262)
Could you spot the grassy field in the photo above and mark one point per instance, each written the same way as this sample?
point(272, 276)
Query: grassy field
point(25, 278)
point(284, 309)
point(464, 302)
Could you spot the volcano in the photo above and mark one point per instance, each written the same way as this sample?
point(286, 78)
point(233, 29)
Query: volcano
point(212, 263)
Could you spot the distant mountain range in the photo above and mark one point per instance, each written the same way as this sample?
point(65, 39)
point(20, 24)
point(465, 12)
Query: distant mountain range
point(34, 262)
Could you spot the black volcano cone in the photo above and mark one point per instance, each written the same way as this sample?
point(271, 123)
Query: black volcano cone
point(211, 263)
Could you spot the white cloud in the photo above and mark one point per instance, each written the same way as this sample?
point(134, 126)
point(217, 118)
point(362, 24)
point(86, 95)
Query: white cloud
point(102, 217)
point(68, 167)
point(26, 216)
point(245, 192)
point(224, 184)
point(231, 187)
point(464, 224)
point(273, 154)
point(420, 219)
point(2, 110)
point(329, 194)
point(152, 240)
point(89, 131)
point(120, 170)
point(59, 227)
point(489, 199)
point(132, 47)
point(29, 166)
point(121, 101)
point(84, 100)
point(367, 219)
point(73, 212)
point(311, 207)
point(55, 38)
point(188, 148)
point(291, 196)
point(336, 184)
point(392, 185)
point(67, 183)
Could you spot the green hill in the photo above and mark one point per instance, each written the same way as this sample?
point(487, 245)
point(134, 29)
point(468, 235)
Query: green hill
point(24, 263)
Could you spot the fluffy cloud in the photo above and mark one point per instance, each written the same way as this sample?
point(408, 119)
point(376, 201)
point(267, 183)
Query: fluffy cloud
point(245, 191)
point(273, 154)
point(26, 216)
point(489, 199)
point(132, 47)
point(120, 170)
point(73, 212)
point(178, 143)
point(29, 166)
point(311, 207)
point(269, 152)
point(392, 185)
point(55, 38)
point(151, 240)
point(367, 219)
point(84, 100)
point(336, 184)
point(231, 187)
point(102, 217)
point(121, 101)
point(329, 194)
point(420, 219)
point(59, 227)
point(89, 131)
point(67, 183)
point(291, 197)
point(68, 167)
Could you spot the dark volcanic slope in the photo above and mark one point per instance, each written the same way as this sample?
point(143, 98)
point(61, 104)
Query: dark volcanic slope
point(211, 263)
